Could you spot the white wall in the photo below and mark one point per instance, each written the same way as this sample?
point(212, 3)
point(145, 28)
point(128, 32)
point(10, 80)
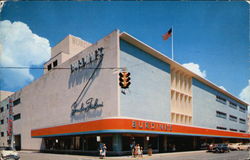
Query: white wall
point(205, 107)
point(47, 101)
point(148, 96)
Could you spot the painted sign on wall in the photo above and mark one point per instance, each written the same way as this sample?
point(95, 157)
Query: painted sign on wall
point(91, 103)
point(87, 60)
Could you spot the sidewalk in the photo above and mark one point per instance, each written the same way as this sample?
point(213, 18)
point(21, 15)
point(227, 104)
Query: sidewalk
point(145, 156)
point(127, 157)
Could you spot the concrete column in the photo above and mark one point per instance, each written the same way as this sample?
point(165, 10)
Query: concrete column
point(83, 141)
point(42, 144)
point(145, 143)
point(194, 142)
point(165, 143)
point(117, 143)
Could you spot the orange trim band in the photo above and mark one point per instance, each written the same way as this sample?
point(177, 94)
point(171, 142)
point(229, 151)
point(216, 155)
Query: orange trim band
point(132, 125)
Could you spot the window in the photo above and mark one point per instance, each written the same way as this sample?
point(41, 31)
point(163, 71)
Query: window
point(232, 118)
point(17, 116)
point(16, 102)
point(234, 130)
point(2, 134)
point(221, 115)
point(55, 63)
point(221, 128)
point(220, 99)
point(233, 105)
point(7, 106)
point(49, 67)
point(2, 121)
point(1, 110)
point(242, 109)
point(242, 121)
point(242, 131)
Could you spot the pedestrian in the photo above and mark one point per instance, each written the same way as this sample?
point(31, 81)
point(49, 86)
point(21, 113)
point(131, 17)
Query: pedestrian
point(132, 147)
point(100, 150)
point(141, 152)
point(174, 149)
point(103, 151)
point(137, 150)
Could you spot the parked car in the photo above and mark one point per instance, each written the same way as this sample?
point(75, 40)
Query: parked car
point(220, 148)
point(242, 146)
point(210, 147)
point(8, 153)
point(238, 146)
point(203, 146)
point(233, 146)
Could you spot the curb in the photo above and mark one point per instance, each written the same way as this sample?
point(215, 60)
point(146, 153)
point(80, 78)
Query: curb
point(145, 156)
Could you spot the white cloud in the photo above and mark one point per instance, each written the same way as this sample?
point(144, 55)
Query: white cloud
point(223, 88)
point(195, 68)
point(1, 5)
point(245, 93)
point(20, 47)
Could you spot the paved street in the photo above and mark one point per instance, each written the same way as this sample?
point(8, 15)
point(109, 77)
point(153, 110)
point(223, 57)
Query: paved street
point(237, 155)
point(196, 155)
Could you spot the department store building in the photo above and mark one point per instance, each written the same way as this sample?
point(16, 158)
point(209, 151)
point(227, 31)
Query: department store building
point(78, 103)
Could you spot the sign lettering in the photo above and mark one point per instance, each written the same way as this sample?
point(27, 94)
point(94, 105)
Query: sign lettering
point(86, 61)
point(151, 125)
point(85, 107)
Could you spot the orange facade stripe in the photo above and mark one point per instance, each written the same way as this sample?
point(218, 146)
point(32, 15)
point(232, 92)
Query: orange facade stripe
point(133, 125)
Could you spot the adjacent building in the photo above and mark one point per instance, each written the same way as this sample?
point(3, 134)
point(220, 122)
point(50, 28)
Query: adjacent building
point(4, 94)
point(78, 102)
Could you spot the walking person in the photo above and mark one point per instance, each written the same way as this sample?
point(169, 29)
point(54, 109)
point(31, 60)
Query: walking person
point(141, 152)
point(137, 150)
point(100, 150)
point(174, 148)
point(132, 147)
point(103, 150)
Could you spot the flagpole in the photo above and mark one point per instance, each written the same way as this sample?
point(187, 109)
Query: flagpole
point(172, 43)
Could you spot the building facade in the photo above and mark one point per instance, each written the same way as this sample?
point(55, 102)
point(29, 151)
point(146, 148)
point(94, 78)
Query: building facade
point(4, 94)
point(78, 102)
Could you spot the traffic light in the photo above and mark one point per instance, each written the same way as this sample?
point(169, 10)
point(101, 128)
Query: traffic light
point(124, 79)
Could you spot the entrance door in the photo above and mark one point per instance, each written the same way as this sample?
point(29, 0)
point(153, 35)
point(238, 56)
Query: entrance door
point(17, 142)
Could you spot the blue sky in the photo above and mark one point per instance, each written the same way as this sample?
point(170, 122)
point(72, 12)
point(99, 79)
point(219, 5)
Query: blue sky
point(213, 35)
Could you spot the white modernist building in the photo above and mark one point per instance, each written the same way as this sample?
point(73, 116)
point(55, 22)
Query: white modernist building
point(78, 101)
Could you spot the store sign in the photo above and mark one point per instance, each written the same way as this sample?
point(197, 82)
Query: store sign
point(87, 60)
point(151, 125)
point(90, 104)
point(10, 121)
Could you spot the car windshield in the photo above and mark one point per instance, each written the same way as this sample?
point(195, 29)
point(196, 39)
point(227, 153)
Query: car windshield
point(6, 148)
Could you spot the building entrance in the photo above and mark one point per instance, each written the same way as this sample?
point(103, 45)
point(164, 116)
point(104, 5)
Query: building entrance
point(17, 139)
